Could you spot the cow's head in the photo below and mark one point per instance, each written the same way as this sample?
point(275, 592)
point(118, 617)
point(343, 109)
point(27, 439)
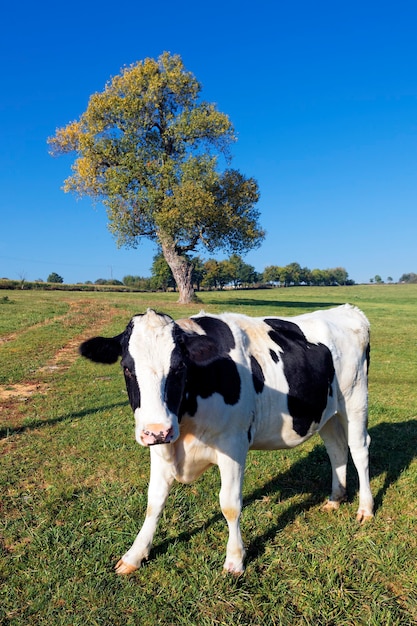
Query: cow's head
point(155, 355)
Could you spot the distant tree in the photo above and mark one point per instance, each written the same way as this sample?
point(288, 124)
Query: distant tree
point(305, 276)
point(198, 272)
point(130, 281)
point(55, 278)
point(212, 274)
point(225, 273)
point(378, 279)
point(241, 273)
point(148, 149)
point(271, 274)
point(318, 277)
point(390, 279)
point(338, 276)
point(137, 282)
point(108, 281)
point(162, 277)
point(408, 278)
point(276, 274)
point(293, 273)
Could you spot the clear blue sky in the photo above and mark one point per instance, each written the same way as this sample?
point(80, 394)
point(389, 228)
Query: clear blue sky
point(323, 96)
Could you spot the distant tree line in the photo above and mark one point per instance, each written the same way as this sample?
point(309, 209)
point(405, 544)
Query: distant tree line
point(235, 273)
point(210, 275)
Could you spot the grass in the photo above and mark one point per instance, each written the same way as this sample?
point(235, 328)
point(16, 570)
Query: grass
point(73, 484)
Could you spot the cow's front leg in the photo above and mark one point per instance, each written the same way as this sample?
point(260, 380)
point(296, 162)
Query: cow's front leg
point(231, 474)
point(160, 482)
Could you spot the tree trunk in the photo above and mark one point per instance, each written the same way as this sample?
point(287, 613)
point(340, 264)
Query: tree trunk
point(181, 269)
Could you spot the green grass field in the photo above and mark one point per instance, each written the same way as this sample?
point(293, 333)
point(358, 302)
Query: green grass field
point(73, 483)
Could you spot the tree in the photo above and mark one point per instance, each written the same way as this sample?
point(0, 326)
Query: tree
point(339, 275)
point(272, 274)
point(149, 150)
point(293, 273)
point(55, 278)
point(318, 277)
point(198, 271)
point(410, 277)
point(242, 273)
point(137, 282)
point(162, 277)
point(212, 274)
point(108, 281)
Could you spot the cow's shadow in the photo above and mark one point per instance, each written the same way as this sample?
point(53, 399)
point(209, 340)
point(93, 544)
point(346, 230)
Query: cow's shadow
point(394, 446)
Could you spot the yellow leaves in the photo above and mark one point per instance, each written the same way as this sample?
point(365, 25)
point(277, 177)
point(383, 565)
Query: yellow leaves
point(85, 168)
point(66, 139)
point(85, 179)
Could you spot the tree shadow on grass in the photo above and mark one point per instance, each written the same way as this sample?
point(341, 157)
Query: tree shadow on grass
point(256, 302)
point(393, 448)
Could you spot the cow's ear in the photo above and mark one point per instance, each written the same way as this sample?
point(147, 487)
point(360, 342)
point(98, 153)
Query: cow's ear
point(200, 349)
point(102, 349)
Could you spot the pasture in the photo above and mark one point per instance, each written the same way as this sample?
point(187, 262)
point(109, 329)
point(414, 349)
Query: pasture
point(73, 483)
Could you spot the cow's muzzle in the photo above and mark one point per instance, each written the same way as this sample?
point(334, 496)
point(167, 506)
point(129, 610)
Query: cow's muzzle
point(155, 433)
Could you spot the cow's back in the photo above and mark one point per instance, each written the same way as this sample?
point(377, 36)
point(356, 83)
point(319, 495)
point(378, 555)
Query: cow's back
point(298, 371)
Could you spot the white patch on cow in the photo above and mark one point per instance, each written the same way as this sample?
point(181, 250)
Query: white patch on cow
point(151, 345)
point(190, 326)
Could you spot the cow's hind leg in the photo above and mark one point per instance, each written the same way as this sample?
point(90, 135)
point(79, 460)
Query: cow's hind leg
point(231, 474)
point(160, 482)
point(335, 440)
point(359, 441)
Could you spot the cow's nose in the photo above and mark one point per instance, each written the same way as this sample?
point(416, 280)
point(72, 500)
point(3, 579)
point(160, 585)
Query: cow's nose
point(156, 433)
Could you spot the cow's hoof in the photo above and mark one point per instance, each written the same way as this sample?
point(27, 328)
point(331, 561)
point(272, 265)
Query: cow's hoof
point(330, 505)
point(124, 569)
point(231, 568)
point(364, 516)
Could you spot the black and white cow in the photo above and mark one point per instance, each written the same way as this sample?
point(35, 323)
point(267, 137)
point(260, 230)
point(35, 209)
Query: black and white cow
point(212, 387)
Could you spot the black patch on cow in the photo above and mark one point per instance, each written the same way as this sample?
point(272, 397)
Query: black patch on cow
point(102, 349)
point(220, 376)
point(309, 370)
point(175, 382)
point(257, 375)
point(200, 349)
point(218, 331)
point(274, 356)
point(128, 366)
point(209, 367)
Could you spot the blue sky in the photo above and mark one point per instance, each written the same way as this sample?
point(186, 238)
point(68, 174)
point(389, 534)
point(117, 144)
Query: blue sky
point(323, 96)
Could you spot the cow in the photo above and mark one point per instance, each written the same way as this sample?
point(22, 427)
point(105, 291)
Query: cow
point(207, 389)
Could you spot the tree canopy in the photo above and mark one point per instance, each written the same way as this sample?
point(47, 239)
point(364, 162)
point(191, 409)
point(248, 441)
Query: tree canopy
point(148, 149)
point(54, 278)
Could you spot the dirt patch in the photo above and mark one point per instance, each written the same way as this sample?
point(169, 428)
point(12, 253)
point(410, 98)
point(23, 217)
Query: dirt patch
point(13, 394)
point(21, 390)
point(8, 337)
